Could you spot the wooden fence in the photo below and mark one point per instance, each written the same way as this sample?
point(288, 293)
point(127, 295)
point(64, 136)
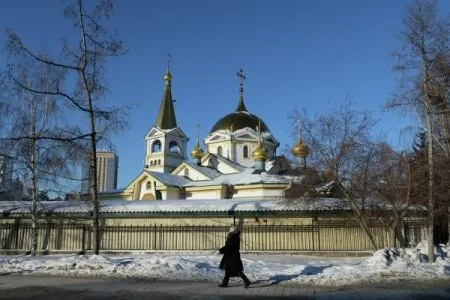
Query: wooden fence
point(319, 236)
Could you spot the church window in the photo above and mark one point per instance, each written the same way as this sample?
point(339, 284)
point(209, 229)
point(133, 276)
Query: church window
point(159, 161)
point(219, 150)
point(186, 172)
point(245, 151)
point(173, 147)
point(149, 185)
point(156, 146)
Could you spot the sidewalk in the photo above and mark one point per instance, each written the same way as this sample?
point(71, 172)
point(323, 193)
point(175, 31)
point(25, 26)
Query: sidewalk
point(49, 288)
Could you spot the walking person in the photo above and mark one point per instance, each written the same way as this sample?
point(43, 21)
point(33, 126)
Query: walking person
point(231, 261)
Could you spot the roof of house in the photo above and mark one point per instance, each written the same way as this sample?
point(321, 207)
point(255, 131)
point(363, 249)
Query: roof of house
point(207, 171)
point(245, 177)
point(169, 179)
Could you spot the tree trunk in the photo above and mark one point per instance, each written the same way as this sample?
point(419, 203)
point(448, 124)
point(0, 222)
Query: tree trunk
point(363, 224)
point(34, 233)
point(394, 234)
point(94, 191)
point(430, 162)
point(430, 186)
point(93, 139)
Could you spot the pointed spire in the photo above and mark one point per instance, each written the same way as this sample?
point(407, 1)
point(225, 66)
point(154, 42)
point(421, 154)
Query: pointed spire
point(197, 128)
point(241, 105)
point(300, 133)
point(166, 117)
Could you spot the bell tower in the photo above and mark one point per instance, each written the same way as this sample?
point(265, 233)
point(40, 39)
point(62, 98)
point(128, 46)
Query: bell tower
point(165, 143)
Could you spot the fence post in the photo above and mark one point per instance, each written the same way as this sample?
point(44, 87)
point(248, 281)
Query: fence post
point(160, 236)
point(16, 234)
point(83, 238)
point(154, 237)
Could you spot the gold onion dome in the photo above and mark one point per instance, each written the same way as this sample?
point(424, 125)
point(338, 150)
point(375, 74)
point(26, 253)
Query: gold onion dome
point(300, 149)
point(197, 152)
point(260, 153)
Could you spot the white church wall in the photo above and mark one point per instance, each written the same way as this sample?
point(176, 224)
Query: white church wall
point(245, 161)
point(257, 192)
point(227, 148)
point(143, 190)
point(170, 194)
point(192, 173)
point(204, 194)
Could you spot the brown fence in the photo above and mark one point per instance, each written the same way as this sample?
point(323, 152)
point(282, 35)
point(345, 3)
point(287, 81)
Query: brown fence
point(319, 236)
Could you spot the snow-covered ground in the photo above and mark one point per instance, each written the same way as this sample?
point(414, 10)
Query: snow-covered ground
point(384, 265)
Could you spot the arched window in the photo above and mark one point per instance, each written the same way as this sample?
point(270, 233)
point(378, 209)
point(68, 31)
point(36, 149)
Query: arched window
point(156, 146)
point(159, 161)
point(219, 150)
point(173, 147)
point(149, 185)
point(245, 151)
point(186, 172)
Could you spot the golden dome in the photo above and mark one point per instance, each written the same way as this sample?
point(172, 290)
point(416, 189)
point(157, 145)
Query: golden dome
point(260, 153)
point(300, 149)
point(197, 152)
point(238, 120)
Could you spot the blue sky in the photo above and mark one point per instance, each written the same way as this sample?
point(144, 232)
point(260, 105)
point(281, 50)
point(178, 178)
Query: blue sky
point(296, 54)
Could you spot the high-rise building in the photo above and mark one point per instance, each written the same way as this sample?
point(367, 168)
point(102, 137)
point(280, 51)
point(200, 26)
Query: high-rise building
point(5, 172)
point(107, 165)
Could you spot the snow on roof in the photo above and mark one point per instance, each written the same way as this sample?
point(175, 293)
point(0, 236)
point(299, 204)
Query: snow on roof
point(210, 172)
point(242, 178)
point(229, 162)
point(169, 179)
point(172, 206)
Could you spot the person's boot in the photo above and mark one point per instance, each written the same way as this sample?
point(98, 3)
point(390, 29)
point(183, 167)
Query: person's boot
point(222, 285)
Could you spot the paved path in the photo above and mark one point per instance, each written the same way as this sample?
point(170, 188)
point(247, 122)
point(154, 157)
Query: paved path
point(49, 288)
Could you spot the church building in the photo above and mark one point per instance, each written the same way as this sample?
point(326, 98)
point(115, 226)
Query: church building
point(239, 162)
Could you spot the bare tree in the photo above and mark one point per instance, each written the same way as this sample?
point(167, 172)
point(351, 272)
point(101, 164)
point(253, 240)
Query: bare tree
point(422, 62)
point(82, 62)
point(392, 186)
point(366, 174)
point(341, 148)
point(42, 157)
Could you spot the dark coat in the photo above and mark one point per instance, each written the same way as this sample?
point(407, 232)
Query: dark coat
point(231, 261)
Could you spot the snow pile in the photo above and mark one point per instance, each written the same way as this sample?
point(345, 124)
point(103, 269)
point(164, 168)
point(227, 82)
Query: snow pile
point(383, 265)
point(389, 264)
